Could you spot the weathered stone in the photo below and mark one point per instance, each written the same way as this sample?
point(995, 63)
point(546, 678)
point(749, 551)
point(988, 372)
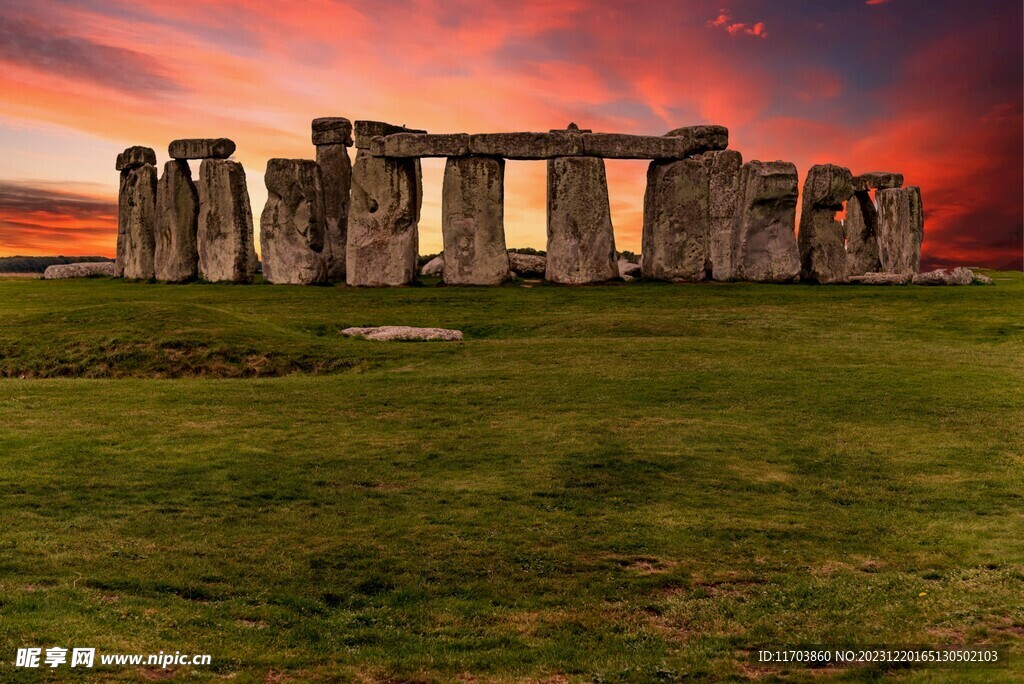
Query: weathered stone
point(861, 228)
point(880, 279)
point(421, 145)
point(225, 235)
point(382, 228)
point(628, 270)
point(434, 267)
point(404, 333)
point(332, 130)
point(822, 242)
point(526, 145)
point(177, 222)
point(201, 148)
point(527, 265)
point(958, 276)
point(473, 221)
point(982, 279)
point(723, 168)
point(89, 269)
point(581, 242)
point(765, 244)
point(366, 131)
point(877, 180)
point(678, 144)
point(336, 179)
point(677, 222)
point(134, 157)
point(136, 222)
point(900, 229)
point(292, 223)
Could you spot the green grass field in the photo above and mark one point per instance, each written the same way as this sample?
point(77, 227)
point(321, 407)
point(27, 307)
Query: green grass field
point(633, 483)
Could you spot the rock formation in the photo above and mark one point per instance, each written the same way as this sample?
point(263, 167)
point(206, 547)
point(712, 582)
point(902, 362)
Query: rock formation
point(822, 242)
point(88, 269)
point(473, 221)
point(876, 278)
point(581, 242)
point(677, 222)
point(958, 276)
point(225, 233)
point(201, 148)
point(861, 224)
point(723, 169)
point(763, 231)
point(434, 267)
point(404, 333)
point(332, 137)
point(136, 213)
point(383, 237)
point(292, 223)
point(527, 265)
point(900, 229)
point(177, 222)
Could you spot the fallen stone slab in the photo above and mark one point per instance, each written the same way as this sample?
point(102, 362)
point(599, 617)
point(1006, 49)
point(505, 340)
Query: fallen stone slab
point(177, 224)
point(89, 269)
point(134, 157)
point(766, 246)
point(201, 148)
point(473, 221)
point(366, 131)
point(958, 276)
point(877, 180)
point(629, 270)
point(136, 223)
point(900, 229)
point(880, 279)
point(527, 265)
point(434, 267)
point(404, 333)
point(332, 130)
point(982, 279)
point(292, 223)
point(822, 240)
point(421, 145)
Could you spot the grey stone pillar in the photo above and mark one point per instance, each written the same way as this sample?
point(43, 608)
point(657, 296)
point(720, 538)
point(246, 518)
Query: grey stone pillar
point(861, 228)
point(332, 137)
point(723, 201)
point(581, 242)
point(383, 237)
point(177, 222)
point(900, 229)
point(473, 221)
point(765, 244)
point(676, 242)
point(225, 235)
point(292, 224)
point(822, 242)
point(136, 213)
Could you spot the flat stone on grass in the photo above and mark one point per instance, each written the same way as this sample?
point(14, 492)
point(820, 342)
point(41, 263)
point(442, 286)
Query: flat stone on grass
point(404, 333)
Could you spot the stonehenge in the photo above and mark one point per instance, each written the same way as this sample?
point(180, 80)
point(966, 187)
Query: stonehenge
point(473, 221)
point(136, 214)
point(292, 223)
point(177, 223)
point(707, 215)
point(822, 242)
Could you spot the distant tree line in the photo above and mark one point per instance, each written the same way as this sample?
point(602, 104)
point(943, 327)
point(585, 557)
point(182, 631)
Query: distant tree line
point(38, 264)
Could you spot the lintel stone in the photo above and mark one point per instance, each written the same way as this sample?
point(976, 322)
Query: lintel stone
point(201, 148)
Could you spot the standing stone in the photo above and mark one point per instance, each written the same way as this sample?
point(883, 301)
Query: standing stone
point(177, 221)
point(473, 221)
point(764, 240)
point(292, 223)
point(822, 243)
point(900, 229)
point(336, 175)
point(581, 242)
point(225, 235)
point(723, 199)
point(861, 228)
point(677, 222)
point(136, 222)
point(383, 236)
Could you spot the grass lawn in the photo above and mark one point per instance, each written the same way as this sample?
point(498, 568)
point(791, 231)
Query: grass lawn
point(625, 483)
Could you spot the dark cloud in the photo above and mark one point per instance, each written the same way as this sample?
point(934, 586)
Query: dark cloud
point(38, 46)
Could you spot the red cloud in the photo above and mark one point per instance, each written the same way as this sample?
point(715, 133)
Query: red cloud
point(736, 28)
point(876, 2)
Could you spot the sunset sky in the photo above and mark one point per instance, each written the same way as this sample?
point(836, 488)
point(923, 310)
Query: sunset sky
point(930, 88)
